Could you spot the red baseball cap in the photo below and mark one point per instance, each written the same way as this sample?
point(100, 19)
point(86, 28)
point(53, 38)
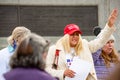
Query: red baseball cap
point(71, 28)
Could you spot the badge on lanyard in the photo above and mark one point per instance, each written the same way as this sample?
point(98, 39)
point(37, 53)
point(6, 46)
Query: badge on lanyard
point(68, 62)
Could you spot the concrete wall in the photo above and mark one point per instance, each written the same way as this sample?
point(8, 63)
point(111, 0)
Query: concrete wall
point(104, 9)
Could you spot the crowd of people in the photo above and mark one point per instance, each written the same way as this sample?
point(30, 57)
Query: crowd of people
point(29, 56)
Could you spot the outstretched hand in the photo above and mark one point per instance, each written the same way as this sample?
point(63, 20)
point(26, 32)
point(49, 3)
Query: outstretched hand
point(112, 17)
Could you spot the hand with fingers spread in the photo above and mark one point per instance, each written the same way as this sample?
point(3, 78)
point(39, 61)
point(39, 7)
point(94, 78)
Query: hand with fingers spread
point(112, 17)
point(69, 73)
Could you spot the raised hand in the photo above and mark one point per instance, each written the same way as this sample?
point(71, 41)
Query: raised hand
point(112, 18)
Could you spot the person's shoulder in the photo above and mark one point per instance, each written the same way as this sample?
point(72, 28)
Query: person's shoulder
point(98, 51)
point(46, 76)
point(40, 74)
point(4, 50)
point(84, 41)
point(52, 46)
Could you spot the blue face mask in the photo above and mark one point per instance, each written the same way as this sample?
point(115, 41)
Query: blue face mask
point(12, 48)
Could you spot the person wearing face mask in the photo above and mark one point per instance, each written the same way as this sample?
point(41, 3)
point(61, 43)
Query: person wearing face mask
point(18, 34)
point(106, 58)
point(28, 61)
point(71, 45)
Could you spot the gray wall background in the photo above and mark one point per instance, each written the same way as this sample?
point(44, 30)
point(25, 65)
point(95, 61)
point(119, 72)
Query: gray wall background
point(104, 9)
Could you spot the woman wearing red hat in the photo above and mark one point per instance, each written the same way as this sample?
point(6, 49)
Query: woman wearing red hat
point(71, 45)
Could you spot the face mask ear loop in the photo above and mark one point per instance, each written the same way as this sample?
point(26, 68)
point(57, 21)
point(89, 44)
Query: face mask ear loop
point(14, 44)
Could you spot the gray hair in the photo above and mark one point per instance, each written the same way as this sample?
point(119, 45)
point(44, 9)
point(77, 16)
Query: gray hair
point(30, 52)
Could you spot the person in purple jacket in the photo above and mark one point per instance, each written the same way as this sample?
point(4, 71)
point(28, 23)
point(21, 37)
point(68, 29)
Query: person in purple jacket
point(105, 58)
point(115, 74)
point(28, 61)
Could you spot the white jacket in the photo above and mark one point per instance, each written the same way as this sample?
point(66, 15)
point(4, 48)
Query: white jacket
point(4, 61)
point(85, 54)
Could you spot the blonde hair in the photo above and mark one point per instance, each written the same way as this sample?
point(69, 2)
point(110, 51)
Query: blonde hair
point(17, 32)
point(66, 44)
point(112, 57)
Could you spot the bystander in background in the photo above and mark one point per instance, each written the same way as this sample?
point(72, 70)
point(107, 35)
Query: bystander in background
point(106, 58)
point(18, 34)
